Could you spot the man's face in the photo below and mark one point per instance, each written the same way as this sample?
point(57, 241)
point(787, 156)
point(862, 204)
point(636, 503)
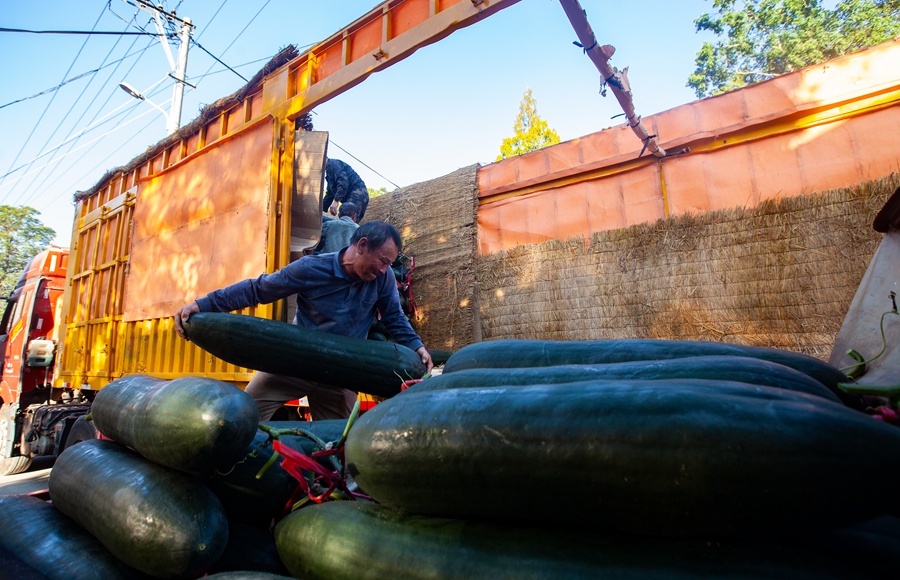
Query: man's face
point(375, 261)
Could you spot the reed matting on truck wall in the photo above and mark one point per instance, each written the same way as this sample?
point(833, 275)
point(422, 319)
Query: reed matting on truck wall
point(437, 221)
point(780, 275)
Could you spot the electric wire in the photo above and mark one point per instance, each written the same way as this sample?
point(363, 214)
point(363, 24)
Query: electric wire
point(157, 90)
point(50, 90)
point(99, 137)
point(99, 163)
point(99, 109)
point(89, 128)
point(47, 108)
point(109, 117)
point(34, 183)
point(73, 140)
point(132, 136)
point(134, 105)
point(218, 60)
point(92, 124)
point(92, 143)
point(78, 32)
point(208, 24)
point(243, 30)
point(331, 142)
point(76, 77)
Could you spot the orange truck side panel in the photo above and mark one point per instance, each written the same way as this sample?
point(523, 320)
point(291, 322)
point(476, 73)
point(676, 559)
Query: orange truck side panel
point(827, 126)
point(200, 226)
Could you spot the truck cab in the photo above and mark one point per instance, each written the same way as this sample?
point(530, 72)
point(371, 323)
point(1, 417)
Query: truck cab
point(28, 341)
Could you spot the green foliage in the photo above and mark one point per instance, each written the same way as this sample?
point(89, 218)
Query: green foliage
point(531, 132)
point(22, 236)
point(761, 39)
point(376, 192)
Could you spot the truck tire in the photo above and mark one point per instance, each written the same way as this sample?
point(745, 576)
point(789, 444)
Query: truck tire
point(10, 465)
point(14, 465)
point(82, 430)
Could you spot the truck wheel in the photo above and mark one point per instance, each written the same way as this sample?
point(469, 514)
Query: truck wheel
point(82, 430)
point(9, 465)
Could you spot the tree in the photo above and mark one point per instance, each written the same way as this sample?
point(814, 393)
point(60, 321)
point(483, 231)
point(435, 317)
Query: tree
point(22, 236)
point(766, 38)
point(531, 132)
point(376, 192)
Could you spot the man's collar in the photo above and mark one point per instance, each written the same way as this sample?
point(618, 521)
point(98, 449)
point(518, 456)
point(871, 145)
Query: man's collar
point(336, 264)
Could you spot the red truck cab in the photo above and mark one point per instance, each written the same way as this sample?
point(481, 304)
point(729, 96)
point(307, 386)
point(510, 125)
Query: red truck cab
point(28, 339)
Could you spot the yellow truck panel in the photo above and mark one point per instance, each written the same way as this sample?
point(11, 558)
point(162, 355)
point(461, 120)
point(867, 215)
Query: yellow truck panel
point(206, 221)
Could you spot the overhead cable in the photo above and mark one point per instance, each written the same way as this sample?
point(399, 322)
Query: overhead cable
point(50, 90)
point(78, 76)
point(69, 138)
point(41, 118)
point(99, 163)
point(24, 195)
point(200, 46)
point(249, 22)
point(97, 138)
point(331, 142)
point(93, 123)
point(78, 32)
point(213, 17)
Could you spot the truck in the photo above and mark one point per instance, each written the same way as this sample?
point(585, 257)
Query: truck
point(238, 191)
point(162, 230)
point(29, 334)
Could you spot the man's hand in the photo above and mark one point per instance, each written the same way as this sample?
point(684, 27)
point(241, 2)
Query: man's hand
point(182, 315)
point(333, 209)
point(426, 358)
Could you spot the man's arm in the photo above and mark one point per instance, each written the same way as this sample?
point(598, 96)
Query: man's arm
point(397, 323)
point(265, 289)
point(341, 187)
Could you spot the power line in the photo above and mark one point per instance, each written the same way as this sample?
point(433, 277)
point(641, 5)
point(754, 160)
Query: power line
point(78, 76)
point(102, 161)
point(71, 142)
point(200, 46)
point(114, 129)
point(50, 90)
point(99, 138)
point(219, 9)
point(363, 163)
point(34, 183)
point(91, 127)
point(239, 34)
point(91, 124)
point(24, 194)
point(41, 118)
point(78, 32)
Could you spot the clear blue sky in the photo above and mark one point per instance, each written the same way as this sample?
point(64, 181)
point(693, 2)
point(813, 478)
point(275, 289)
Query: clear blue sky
point(448, 106)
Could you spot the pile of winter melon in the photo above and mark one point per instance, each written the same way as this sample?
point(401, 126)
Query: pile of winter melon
point(523, 459)
point(171, 490)
point(626, 458)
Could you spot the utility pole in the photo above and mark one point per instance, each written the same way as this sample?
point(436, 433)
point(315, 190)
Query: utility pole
point(179, 69)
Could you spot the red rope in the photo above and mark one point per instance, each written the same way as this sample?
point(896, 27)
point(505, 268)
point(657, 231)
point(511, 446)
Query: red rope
point(295, 462)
